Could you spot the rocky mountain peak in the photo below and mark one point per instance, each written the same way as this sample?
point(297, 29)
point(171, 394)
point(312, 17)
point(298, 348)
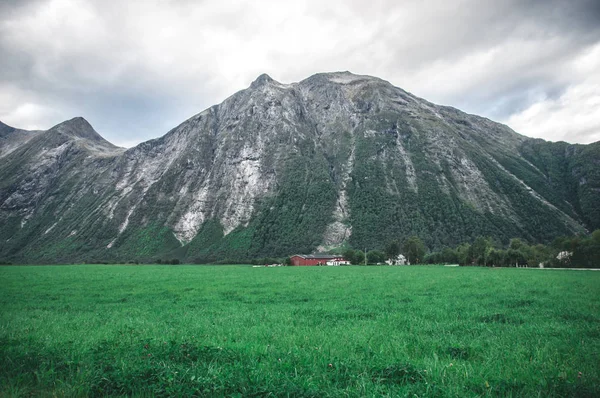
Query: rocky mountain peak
point(77, 127)
point(80, 129)
point(339, 78)
point(262, 80)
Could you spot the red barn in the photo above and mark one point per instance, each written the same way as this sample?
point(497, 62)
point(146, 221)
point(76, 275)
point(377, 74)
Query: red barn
point(317, 259)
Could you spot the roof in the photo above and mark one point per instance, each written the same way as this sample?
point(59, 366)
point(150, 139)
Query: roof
point(318, 256)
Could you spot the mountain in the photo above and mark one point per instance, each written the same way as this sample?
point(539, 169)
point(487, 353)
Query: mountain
point(11, 138)
point(277, 168)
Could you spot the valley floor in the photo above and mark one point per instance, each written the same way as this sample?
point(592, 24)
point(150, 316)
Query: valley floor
point(298, 331)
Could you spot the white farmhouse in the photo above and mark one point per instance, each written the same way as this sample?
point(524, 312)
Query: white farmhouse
point(400, 260)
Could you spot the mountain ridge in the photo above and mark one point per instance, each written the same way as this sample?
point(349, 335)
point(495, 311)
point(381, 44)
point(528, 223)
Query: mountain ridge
point(335, 159)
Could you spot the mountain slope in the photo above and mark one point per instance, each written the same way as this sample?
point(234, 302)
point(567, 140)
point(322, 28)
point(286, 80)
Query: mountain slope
point(280, 168)
point(45, 186)
point(12, 138)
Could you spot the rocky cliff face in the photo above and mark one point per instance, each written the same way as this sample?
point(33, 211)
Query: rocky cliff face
point(334, 159)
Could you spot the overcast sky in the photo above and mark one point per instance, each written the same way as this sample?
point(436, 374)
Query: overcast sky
point(135, 69)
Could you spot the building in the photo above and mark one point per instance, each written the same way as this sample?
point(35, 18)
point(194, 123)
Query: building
point(400, 260)
point(318, 259)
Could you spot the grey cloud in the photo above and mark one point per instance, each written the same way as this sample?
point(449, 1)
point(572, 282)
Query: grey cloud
point(137, 68)
point(11, 7)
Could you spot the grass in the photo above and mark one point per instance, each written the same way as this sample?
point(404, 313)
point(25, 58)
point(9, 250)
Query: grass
point(298, 331)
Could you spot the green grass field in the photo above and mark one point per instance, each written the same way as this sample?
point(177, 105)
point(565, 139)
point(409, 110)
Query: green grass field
point(298, 331)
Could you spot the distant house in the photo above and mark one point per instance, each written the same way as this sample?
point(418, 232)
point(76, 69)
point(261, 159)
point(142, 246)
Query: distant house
point(318, 259)
point(400, 260)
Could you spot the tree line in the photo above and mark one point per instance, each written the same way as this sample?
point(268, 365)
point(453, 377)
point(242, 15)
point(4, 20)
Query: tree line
point(413, 249)
point(580, 251)
point(564, 252)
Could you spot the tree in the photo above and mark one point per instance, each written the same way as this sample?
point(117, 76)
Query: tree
point(359, 257)
point(527, 253)
point(392, 250)
point(449, 256)
point(587, 253)
point(596, 236)
point(462, 253)
point(414, 250)
point(515, 257)
point(559, 243)
point(539, 254)
point(479, 248)
point(349, 255)
point(433, 258)
point(375, 257)
point(494, 257)
point(516, 244)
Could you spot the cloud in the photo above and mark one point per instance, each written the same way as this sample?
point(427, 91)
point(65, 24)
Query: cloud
point(23, 109)
point(572, 116)
point(136, 69)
